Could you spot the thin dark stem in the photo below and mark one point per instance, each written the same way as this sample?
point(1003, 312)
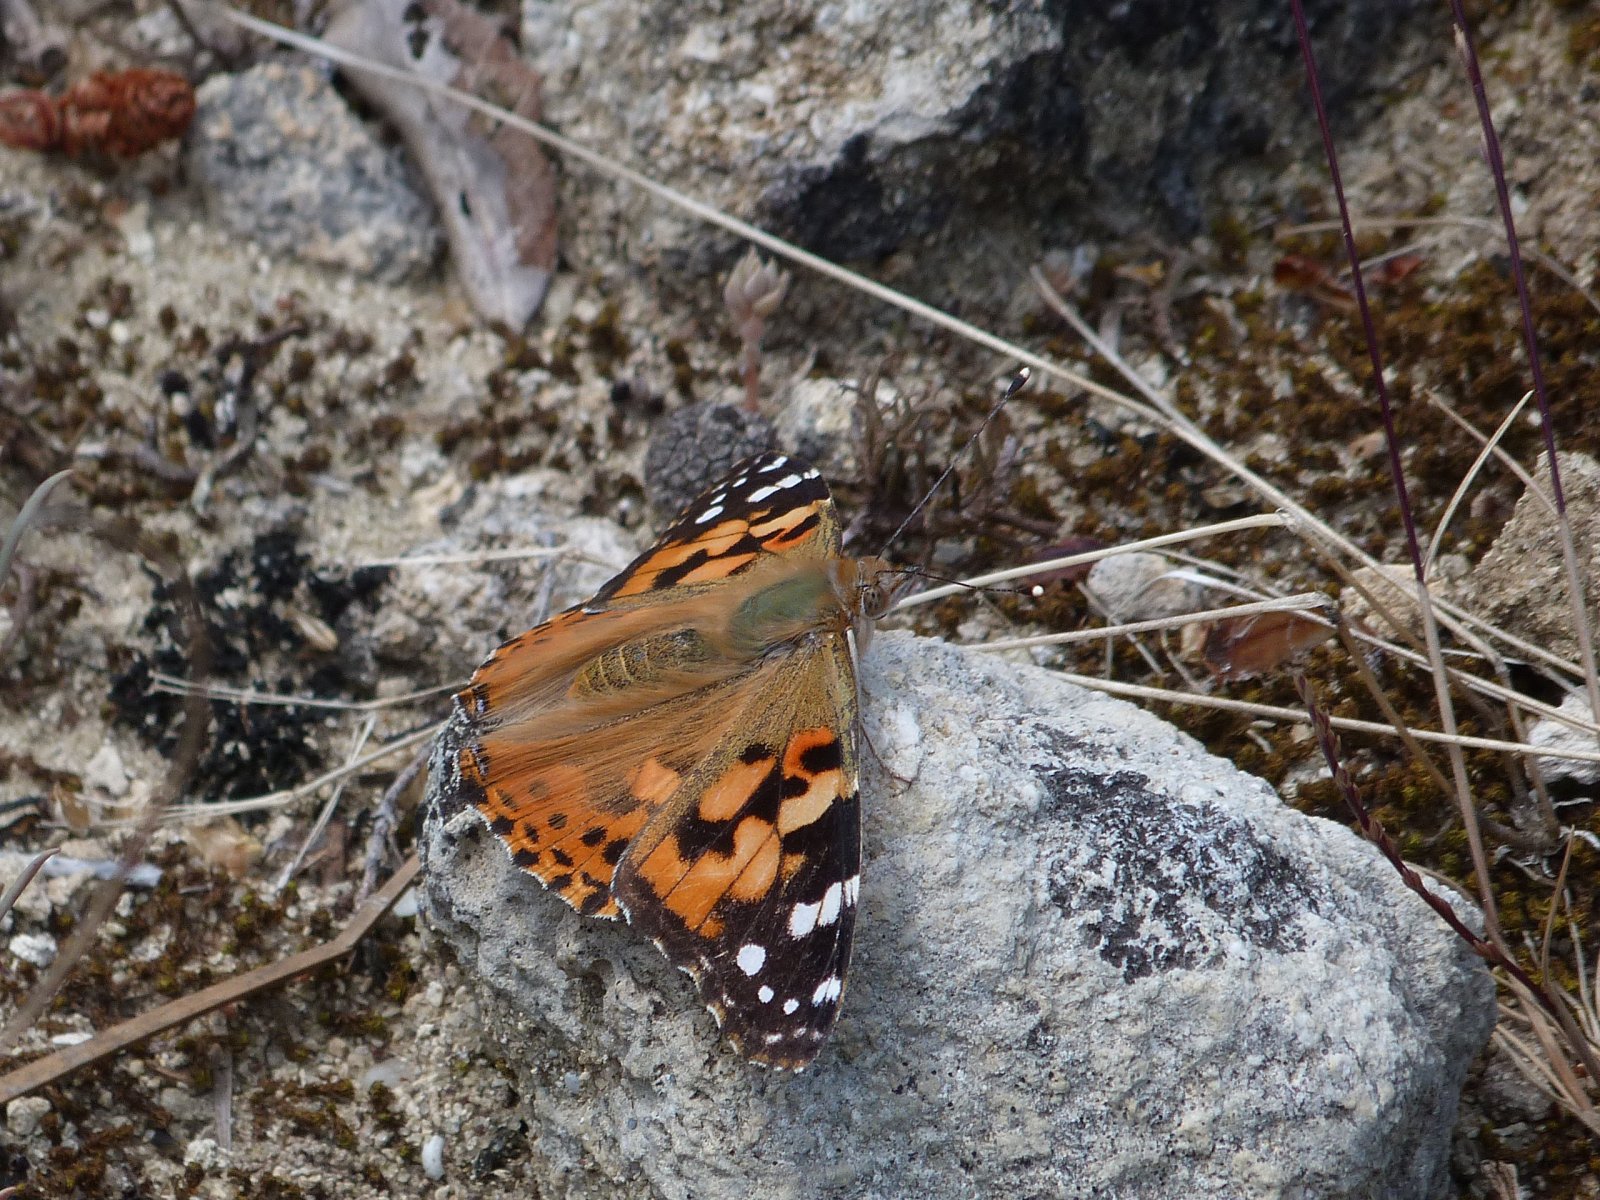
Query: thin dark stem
point(1502, 192)
point(1359, 287)
point(1016, 385)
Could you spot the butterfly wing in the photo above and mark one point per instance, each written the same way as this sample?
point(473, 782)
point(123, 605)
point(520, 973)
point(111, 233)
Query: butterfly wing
point(747, 877)
point(565, 770)
point(770, 504)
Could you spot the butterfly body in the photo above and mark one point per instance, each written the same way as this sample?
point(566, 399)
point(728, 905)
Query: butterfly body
point(680, 750)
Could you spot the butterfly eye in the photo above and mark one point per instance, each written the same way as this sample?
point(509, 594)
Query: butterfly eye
point(874, 600)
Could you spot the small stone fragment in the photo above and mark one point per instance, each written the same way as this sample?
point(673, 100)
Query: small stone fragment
point(23, 1116)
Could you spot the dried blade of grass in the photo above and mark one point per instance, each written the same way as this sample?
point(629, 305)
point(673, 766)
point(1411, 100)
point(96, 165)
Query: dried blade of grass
point(1492, 445)
point(1259, 521)
point(1358, 660)
point(1532, 1063)
point(1304, 602)
point(171, 684)
point(225, 808)
point(326, 814)
point(55, 1066)
point(1490, 448)
point(1588, 988)
point(1292, 716)
point(1530, 342)
point(482, 556)
point(1556, 895)
point(1570, 1091)
point(21, 882)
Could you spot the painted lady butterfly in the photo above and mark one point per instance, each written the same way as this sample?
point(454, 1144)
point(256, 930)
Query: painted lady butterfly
point(680, 751)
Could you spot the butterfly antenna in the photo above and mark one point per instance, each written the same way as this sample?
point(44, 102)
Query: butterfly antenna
point(1018, 382)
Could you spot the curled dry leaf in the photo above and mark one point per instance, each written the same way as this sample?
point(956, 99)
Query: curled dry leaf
point(120, 113)
point(1297, 273)
point(1244, 647)
point(495, 189)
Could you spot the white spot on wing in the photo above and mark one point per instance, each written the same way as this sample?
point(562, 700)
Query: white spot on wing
point(751, 958)
point(789, 1006)
point(710, 514)
point(772, 489)
point(830, 904)
point(765, 994)
point(827, 990)
point(852, 890)
point(803, 919)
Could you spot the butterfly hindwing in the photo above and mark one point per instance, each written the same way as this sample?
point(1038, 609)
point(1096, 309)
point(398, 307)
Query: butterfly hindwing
point(748, 879)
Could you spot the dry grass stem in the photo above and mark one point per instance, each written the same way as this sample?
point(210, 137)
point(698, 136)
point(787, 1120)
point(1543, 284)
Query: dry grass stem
point(1260, 521)
point(44, 1071)
point(191, 813)
point(172, 685)
point(1306, 603)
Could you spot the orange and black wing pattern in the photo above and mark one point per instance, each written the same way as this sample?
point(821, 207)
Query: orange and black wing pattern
point(636, 768)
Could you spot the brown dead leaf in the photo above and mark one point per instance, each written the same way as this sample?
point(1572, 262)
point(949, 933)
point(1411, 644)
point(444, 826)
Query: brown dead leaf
point(494, 186)
point(1245, 647)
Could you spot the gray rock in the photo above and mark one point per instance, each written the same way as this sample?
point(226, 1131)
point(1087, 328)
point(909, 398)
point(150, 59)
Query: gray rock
point(853, 129)
point(1520, 583)
point(280, 159)
point(691, 448)
point(1092, 960)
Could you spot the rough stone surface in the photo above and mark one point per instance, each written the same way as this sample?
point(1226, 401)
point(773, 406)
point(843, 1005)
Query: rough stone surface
point(1092, 961)
point(281, 159)
point(694, 447)
point(857, 128)
point(1521, 582)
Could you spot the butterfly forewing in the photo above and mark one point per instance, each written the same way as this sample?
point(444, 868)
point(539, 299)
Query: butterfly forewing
point(771, 504)
point(641, 753)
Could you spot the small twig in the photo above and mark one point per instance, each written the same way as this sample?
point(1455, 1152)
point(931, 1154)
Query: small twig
point(24, 879)
point(386, 818)
point(326, 814)
point(52, 1067)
